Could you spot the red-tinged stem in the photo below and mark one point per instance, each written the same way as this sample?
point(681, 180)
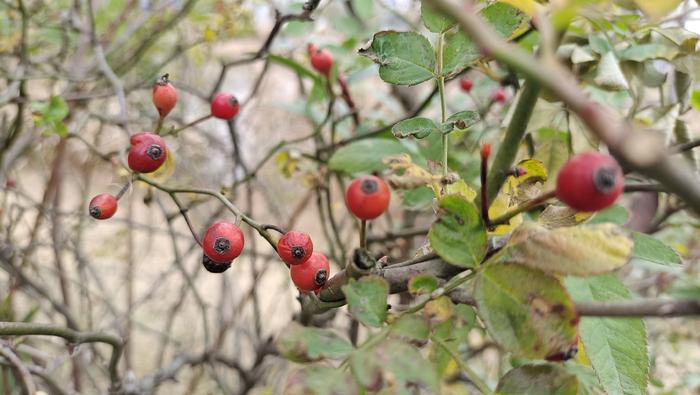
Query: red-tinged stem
point(345, 93)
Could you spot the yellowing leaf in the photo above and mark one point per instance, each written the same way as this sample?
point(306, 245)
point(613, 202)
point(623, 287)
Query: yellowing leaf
point(209, 34)
point(461, 188)
point(438, 310)
point(287, 163)
point(166, 170)
point(516, 190)
point(560, 216)
point(579, 251)
point(408, 175)
point(657, 8)
point(530, 7)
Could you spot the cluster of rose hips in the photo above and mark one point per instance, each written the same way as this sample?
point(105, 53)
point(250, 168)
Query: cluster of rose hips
point(367, 197)
point(588, 182)
point(148, 151)
point(499, 95)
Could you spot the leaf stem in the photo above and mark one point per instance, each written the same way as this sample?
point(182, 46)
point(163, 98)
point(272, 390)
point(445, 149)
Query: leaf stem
point(443, 104)
point(473, 377)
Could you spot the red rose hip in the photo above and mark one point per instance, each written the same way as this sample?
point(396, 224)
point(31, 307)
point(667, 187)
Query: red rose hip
point(225, 106)
point(590, 182)
point(312, 274)
point(223, 242)
point(147, 154)
point(103, 206)
point(499, 95)
point(322, 61)
point(295, 247)
point(164, 96)
point(367, 197)
point(466, 84)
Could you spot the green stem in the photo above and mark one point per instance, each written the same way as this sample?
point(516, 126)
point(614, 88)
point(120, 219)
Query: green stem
point(75, 337)
point(473, 377)
point(508, 149)
point(443, 104)
point(230, 206)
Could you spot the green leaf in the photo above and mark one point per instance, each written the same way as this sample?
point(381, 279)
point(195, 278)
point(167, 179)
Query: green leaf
point(55, 110)
point(404, 58)
point(417, 127)
point(396, 361)
point(616, 347)
point(615, 214)
point(422, 284)
point(642, 52)
point(460, 52)
point(306, 344)
point(537, 380)
point(609, 75)
point(650, 250)
point(294, 66)
point(579, 250)
point(461, 120)
point(527, 311)
point(412, 327)
point(433, 20)
point(459, 235)
point(365, 156)
point(695, 99)
point(367, 299)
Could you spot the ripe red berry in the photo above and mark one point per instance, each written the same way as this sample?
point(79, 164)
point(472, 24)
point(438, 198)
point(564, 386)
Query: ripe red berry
point(223, 242)
point(466, 84)
point(590, 181)
point(312, 274)
point(225, 106)
point(164, 96)
point(295, 247)
point(367, 197)
point(214, 267)
point(499, 95)
point(144, 137)
point(147, 152)
point(103, 206)
point(322, 61)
